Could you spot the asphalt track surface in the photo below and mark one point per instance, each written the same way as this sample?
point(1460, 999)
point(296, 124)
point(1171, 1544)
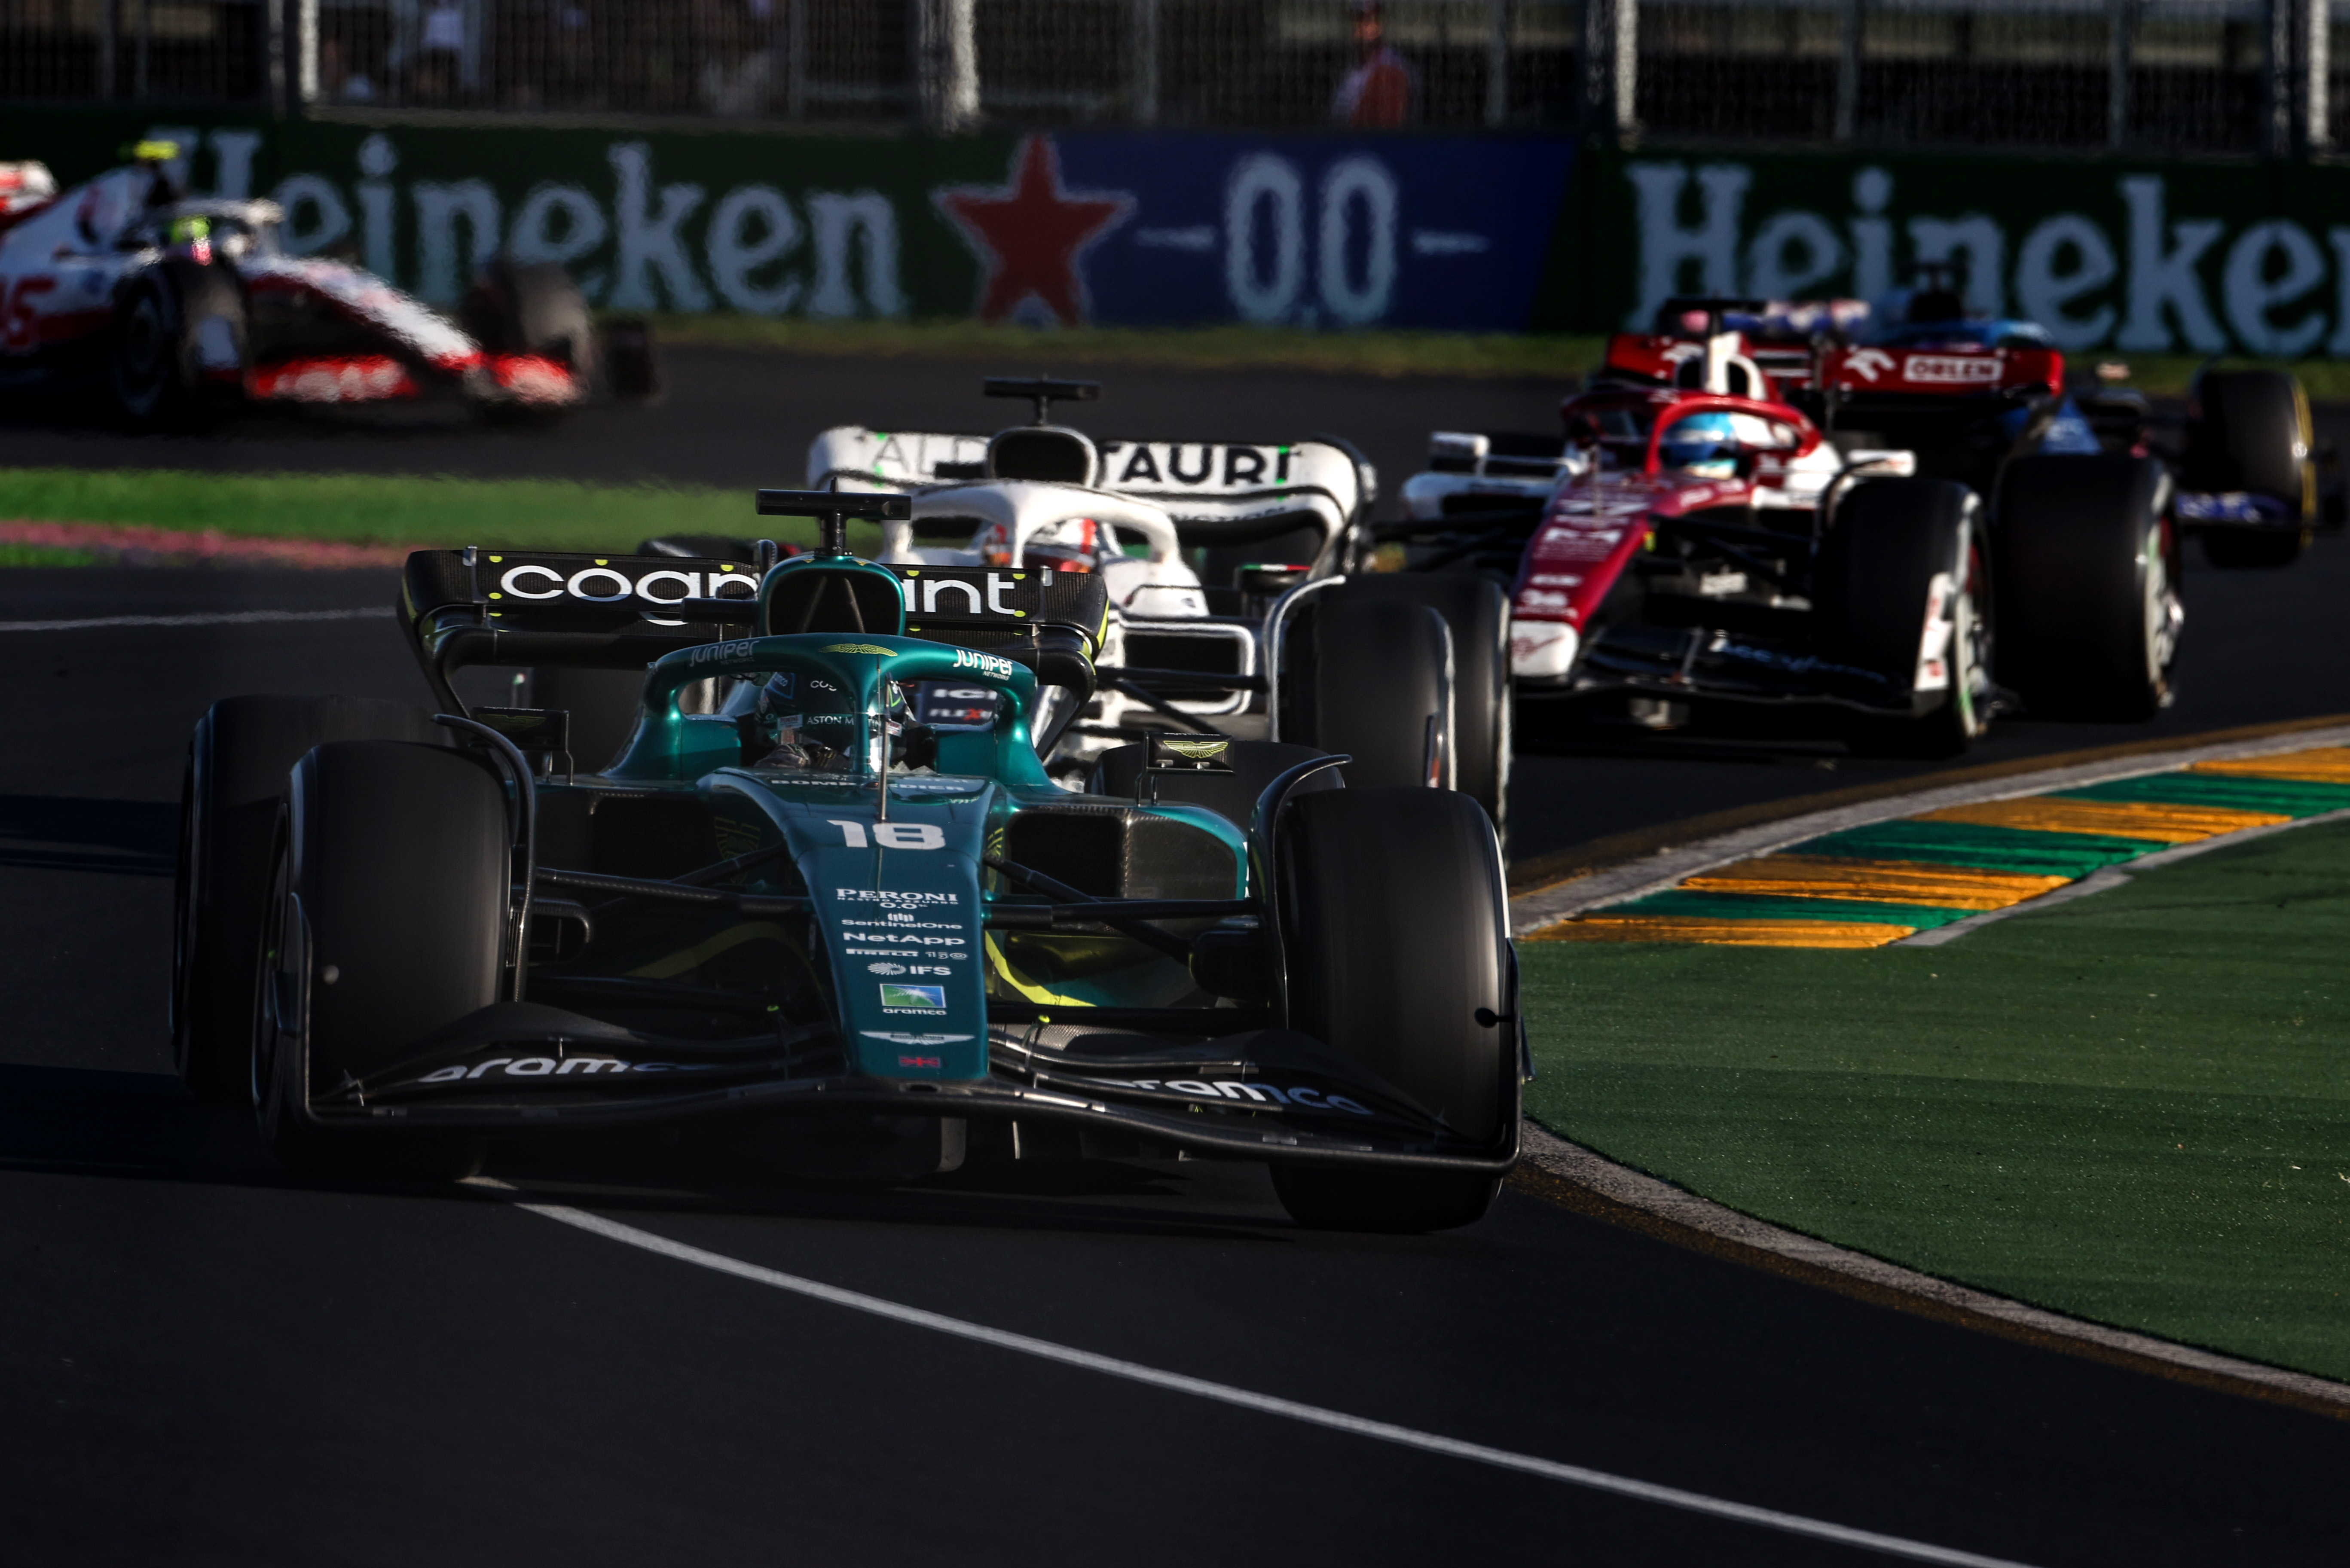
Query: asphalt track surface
point(206, 1361)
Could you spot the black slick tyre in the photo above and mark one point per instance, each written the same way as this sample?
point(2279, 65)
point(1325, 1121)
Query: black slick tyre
point(1373, 680)
point(632, 370)
point(1476, 610)
point(536, 310)
point(1901, 589)
point(163, 321)
point(532, 308)
point(238, 760)
point(387, 921)
point(2250, 431)
point(1395, 934)
point(2086, 561)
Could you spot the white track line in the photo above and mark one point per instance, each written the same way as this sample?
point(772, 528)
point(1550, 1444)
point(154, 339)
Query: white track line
point(215, 617)
point(1264, 1404)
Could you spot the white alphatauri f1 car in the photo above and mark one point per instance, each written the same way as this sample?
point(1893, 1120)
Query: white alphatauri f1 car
point(1237, 601)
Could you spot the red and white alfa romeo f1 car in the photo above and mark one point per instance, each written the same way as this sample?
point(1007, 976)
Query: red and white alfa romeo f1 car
point(186, 308)
point(1752, 524)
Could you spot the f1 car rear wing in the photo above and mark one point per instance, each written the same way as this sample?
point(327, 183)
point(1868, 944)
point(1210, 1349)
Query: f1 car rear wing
point(1727, 362)
point(1704, 343)
point(1947, 372)
point(478, 606)
point(1217, 493)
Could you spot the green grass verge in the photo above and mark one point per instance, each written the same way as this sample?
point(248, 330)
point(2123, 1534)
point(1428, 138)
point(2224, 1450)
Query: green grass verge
point(1020, 348)
point(2135, 1108)
point(395, 510)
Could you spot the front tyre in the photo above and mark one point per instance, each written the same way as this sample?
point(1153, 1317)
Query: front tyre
point(1476, 610)
point(171, 326)
point(1373, 679)
point(2086, 560)
point(238, 760)
point(1903, 588)
point(1395, 933)
point(387, 922)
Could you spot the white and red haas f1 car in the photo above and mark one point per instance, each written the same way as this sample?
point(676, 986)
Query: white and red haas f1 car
point(1751, 527)
point(184, 309)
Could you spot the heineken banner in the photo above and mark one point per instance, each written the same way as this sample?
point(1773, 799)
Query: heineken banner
point(2146, 256)
point(1067, 228)
point(1442, 232)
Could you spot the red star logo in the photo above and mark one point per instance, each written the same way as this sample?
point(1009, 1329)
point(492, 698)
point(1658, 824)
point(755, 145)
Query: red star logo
point(1031, 233)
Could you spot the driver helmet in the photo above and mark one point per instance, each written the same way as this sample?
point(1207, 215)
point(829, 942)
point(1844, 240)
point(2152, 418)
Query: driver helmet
point(1069, 544)
point(772, 728)
point(193, 237)
point(1072, 544)
point(1703, 445)
point(804, 721)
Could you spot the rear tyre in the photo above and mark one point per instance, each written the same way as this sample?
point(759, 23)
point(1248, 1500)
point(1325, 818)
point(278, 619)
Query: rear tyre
point(631, 369)
point(1396, 938)
point(2086, 561)
point(1373, 680)
point(238, 760)
point(1476, 609)
point(387, 922)
point(1901, 590)
point(2250, 431)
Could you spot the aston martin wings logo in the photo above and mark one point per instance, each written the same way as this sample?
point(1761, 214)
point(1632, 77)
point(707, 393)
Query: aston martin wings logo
point(859, 648)
point(895, 1038)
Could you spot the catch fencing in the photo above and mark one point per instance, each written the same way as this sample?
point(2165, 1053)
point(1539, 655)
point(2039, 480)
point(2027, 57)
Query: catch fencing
point(2254, 76)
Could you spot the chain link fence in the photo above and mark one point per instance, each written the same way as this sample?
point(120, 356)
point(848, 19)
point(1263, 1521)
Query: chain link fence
point(128, 51)
point(2223, 76)
point(2160, 74)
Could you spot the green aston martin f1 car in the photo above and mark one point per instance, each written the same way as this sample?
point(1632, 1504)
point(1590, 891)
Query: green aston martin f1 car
point(795, 920)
